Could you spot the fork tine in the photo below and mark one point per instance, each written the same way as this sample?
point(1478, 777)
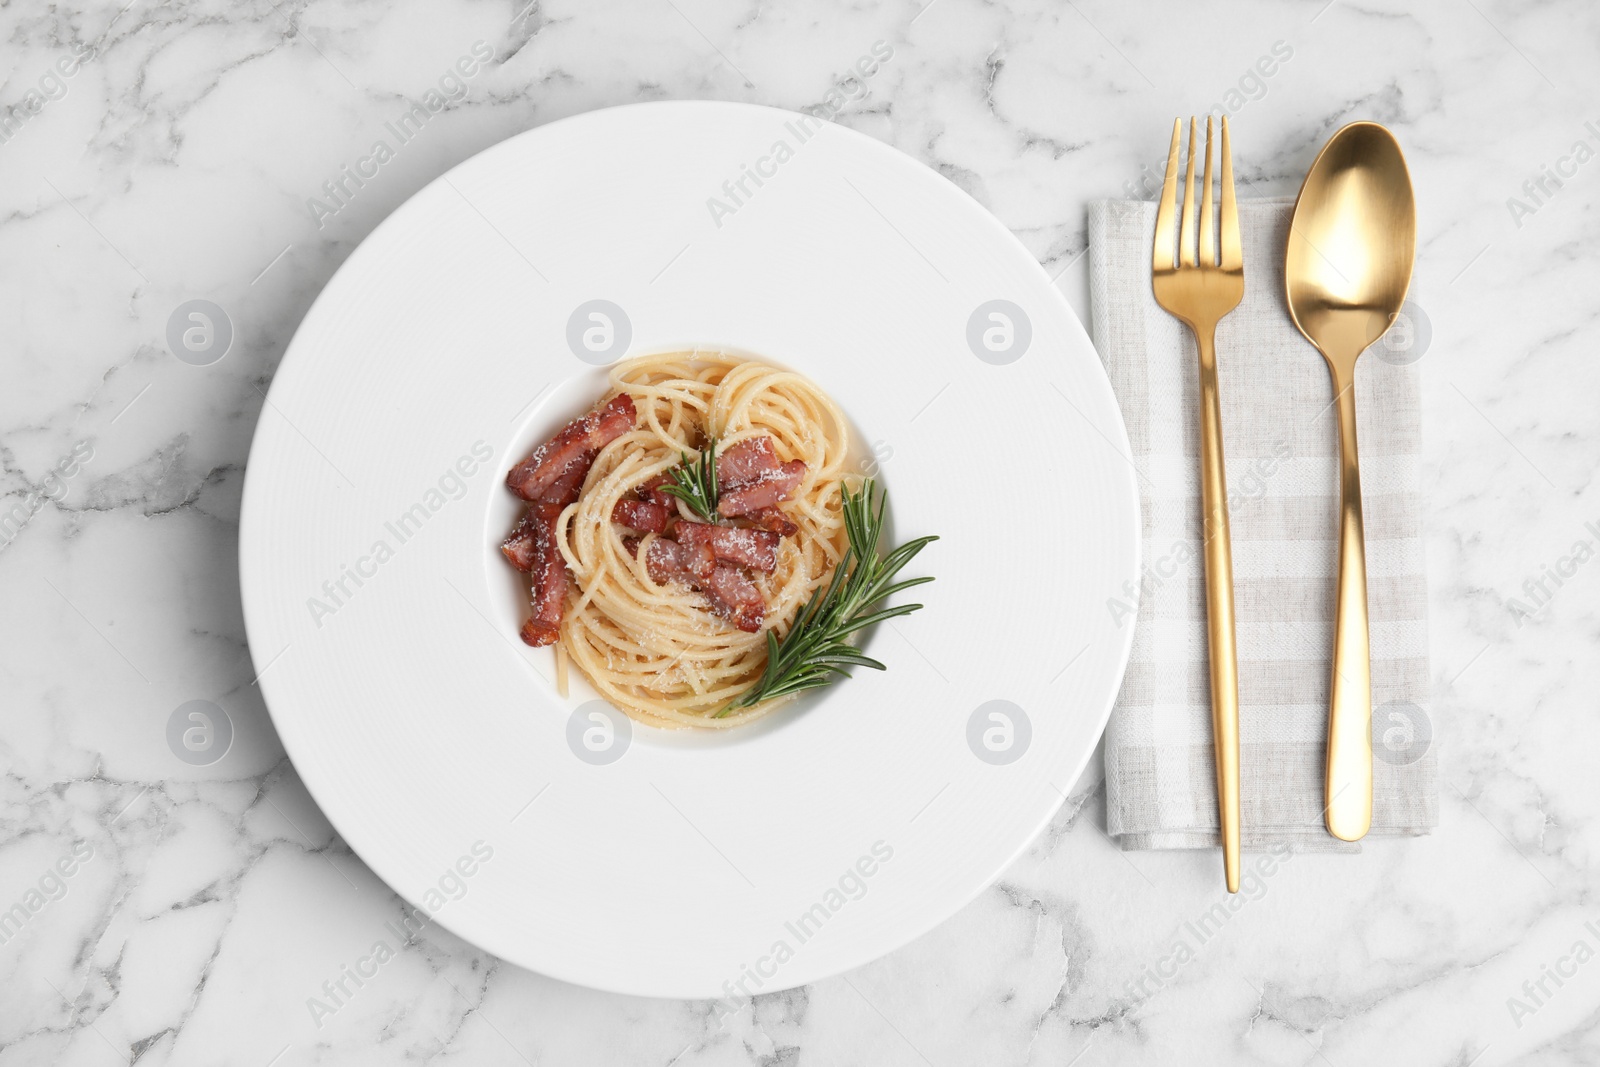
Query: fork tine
point(1161, 257)
point(1232, 252)
point(1186, 256)
point(1208, 229)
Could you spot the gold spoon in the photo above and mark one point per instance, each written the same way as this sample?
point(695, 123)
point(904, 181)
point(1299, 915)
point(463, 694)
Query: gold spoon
point(1351, 247)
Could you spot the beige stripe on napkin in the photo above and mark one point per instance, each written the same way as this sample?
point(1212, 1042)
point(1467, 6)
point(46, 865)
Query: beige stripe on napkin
point(1281, 443)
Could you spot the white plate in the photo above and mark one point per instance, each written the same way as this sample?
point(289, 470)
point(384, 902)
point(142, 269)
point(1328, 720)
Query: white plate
point(423, 727)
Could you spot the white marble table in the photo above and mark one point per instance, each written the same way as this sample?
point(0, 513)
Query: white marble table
point(167, 151)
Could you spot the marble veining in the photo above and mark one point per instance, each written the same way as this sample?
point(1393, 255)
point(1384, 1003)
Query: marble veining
point(172, 912)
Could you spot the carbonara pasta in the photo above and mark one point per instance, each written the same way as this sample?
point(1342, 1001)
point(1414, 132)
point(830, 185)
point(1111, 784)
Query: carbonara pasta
point(664, 609)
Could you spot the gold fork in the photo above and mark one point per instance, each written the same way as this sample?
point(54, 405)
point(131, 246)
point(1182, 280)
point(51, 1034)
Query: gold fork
point(1199, 290)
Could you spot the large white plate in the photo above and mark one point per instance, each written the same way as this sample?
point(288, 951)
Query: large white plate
point(423, 727)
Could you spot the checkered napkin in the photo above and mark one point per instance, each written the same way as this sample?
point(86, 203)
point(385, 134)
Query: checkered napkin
point(1281, 442)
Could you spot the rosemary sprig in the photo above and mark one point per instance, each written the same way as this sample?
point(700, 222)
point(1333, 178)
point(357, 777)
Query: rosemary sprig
point(695, 482)
point(816, 650)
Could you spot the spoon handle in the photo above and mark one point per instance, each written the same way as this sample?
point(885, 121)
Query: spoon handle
point(1349, 780)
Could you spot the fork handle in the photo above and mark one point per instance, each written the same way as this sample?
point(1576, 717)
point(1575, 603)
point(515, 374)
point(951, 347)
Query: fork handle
point(1218, 555)
point(1349, 779)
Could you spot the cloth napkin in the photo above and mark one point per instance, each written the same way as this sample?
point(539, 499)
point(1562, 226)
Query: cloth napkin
point(1281, 444)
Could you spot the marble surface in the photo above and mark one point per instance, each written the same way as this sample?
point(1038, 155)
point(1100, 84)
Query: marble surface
point(178, 913)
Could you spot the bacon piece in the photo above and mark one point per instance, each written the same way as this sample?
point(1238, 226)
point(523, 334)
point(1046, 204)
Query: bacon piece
point(765, 491)
point(576, 445)
point(757, 549)
point(567, 488)
point(537, 634)
point(552, 477)
point(770, 518)
point(735, 597)
point(746, 462)
point(669, 561)
point(641, 515)
point(666, 561)
point(732, 595)
point(549, 574)
point(518, 548)
point(700, 560)
point(651, 491)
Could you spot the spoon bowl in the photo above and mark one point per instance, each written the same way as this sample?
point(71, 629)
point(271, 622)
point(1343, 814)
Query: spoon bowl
point(1352, 242)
